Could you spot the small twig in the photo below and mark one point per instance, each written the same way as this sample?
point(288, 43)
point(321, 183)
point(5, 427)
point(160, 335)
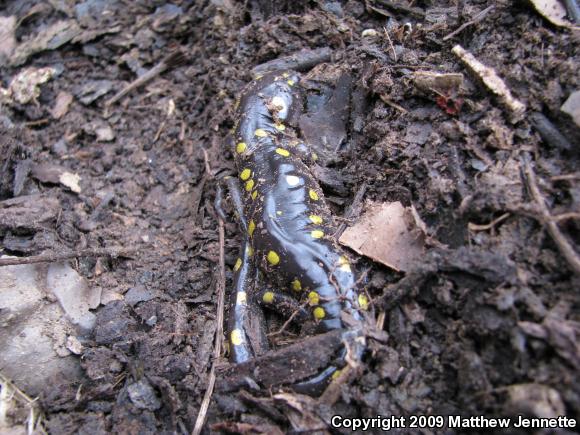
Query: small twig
point(351, 210)
point(566, 177)
point(480, 16)
point(489, 226)
point(563, 245)
point(566, 216)
point(287, 322)
point(170, 60)
point(54, 256)
point(390, 44)
point(394, 105)
point(221, 289)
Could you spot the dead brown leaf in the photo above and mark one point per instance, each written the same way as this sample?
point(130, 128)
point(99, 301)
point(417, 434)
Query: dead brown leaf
point(387, 233)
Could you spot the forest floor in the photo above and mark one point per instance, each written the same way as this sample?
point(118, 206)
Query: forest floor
point(487, 323)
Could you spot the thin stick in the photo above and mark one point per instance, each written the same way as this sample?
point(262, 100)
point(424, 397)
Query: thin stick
point(390, 44)
point(566, 216)
point(563, 245)
point(566, 177)
point(287, 322)
point(54, 257)
point(489, 226)
point(221, 286)
point(351, 210)
point(391, 103)
point(168, 61)
point(480, 16)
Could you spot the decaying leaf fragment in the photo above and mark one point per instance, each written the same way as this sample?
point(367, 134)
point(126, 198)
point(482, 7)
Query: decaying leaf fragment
point(440, 83)
point(388, 233)
point(552, 10)
point(24, 87)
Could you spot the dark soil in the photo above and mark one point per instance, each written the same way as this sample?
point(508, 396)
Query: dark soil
point(487, 324)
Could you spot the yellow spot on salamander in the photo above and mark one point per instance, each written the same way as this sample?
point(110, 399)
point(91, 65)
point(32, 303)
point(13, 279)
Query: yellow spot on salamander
point(363, 302)
point(285, 75)
point(268, 297)
point(238, 264)
point(296, 285)
point(336, 374)
point(317, 234)
point(315, 219)
point(344, 264)
point(254, 194)
point(314, 156)
point(282, 152)
point(249, 185)
point(273, 258)
point(241, 298)
point(245, 174)
point(319, 313)
point(249, 251)
point(280, 126)
point(292, 180)
point(260, 133)
point(241, 147)
point(313, 195)
point(290, 82)
point(251, 227)
point(237, 337)
point(313, 298)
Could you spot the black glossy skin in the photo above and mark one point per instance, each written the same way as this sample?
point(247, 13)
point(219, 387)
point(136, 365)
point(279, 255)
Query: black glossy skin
point(289, 225)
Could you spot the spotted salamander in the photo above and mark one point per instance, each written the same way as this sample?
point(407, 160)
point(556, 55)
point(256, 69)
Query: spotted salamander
point(287, 223)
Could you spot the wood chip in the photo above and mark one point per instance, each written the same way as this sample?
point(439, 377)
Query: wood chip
point(492, 81)
point(62, 104)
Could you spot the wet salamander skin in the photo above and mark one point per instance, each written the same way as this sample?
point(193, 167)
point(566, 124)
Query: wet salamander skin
point(288, 223)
